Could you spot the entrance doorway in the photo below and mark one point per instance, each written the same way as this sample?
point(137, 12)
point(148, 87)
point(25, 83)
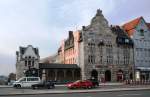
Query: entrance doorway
point(94, 74)
point(131, 76)
point(120, 75)
point(107, 75)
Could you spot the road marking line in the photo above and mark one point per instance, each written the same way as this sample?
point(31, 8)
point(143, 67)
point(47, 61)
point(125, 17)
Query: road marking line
point(129, 95)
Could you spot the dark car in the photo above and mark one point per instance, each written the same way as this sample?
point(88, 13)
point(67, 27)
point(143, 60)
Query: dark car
point(95, 82)
point(44, 84)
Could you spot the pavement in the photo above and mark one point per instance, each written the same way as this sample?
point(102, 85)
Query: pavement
point(61, 89)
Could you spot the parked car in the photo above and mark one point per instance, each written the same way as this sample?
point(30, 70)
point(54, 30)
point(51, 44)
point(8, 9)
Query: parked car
point(26, 82)
point(95, 82)
point(44, 84)
point(80, 84)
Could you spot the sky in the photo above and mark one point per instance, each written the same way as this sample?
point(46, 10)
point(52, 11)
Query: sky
point(44, 23)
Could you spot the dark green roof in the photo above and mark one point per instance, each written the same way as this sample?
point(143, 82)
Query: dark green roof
point(58, 66)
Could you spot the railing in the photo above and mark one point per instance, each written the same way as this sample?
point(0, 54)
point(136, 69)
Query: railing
point(134, 82)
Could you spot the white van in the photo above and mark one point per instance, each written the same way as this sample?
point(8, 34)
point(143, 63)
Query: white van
point(26, 82)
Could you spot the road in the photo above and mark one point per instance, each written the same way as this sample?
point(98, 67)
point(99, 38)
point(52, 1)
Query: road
point(57, 88)
point(142, 93)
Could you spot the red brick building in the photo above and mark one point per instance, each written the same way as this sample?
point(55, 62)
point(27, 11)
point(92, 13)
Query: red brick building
point(69, 49)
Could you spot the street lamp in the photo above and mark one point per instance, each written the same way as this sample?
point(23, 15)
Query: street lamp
point(24, 72)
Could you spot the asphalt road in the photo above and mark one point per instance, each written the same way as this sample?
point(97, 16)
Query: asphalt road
point(142, 93)
point(57, 88)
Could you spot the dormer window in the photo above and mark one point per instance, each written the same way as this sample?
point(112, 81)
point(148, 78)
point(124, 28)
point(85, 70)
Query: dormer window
point(126, 40)
point(141, 32)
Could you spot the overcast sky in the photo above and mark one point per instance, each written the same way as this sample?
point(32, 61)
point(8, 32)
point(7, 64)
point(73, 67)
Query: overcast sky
point(44, 23)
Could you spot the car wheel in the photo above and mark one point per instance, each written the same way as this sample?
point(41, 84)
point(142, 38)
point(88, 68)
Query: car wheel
point(18, 86)
point(49, 87)
point(89, 87)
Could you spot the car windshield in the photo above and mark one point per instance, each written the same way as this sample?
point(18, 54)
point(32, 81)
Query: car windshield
point(22, 79)
point(77, 81)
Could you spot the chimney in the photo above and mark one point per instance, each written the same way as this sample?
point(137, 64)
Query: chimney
point(17, 56)
point(70, 33)
point(83, 27)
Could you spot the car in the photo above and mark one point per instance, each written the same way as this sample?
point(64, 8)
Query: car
point(95, 82)
point(44, 84)
point(80, 84)
point(26, 82)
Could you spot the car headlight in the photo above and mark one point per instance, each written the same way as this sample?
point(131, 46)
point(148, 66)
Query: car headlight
point(69, 85)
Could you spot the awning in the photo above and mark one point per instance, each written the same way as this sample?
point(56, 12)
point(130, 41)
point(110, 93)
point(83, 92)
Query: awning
point(143, 68)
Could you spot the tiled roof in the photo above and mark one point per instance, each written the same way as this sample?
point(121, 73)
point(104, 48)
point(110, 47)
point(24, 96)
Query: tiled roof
point(129, 27)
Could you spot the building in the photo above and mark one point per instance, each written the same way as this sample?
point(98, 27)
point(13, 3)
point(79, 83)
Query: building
point(139, 31)
point(27, 61)
point(59, 72)
point(69, 49)
point(105, 52)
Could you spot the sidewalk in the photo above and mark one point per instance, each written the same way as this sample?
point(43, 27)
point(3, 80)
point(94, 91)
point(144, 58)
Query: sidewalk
point(111, 84)
point(5, 86)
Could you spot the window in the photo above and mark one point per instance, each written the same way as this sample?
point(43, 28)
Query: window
point(29, 63)
point(32, 63)
point(126, 40)
point(25, 63)
point(101, 59)
point(32, 79)
point(23, 79)
point(91, 59)
point(141, 32)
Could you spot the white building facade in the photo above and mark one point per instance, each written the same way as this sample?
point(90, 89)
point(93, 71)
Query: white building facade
point(27, 61)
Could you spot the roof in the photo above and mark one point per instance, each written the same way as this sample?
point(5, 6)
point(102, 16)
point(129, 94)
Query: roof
point(118, 31)
point(129, 27)
point(58, 66)
point(122, 37)
point(23, 49)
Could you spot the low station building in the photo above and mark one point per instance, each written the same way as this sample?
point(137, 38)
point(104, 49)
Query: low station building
point(59, 72)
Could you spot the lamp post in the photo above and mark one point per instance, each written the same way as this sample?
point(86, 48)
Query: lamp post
point(24, 72)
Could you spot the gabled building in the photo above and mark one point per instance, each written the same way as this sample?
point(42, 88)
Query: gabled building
point(27, 61)
point(139, 31)
point(69, 49)
point(105, 52)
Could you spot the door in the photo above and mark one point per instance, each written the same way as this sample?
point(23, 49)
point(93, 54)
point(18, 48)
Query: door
point(94, 74)
point(107, 75)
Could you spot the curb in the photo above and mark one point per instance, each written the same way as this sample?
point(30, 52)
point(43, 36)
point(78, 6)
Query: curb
point(77, 91)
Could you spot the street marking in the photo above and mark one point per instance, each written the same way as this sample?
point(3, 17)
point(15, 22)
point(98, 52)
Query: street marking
point(129, 95)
